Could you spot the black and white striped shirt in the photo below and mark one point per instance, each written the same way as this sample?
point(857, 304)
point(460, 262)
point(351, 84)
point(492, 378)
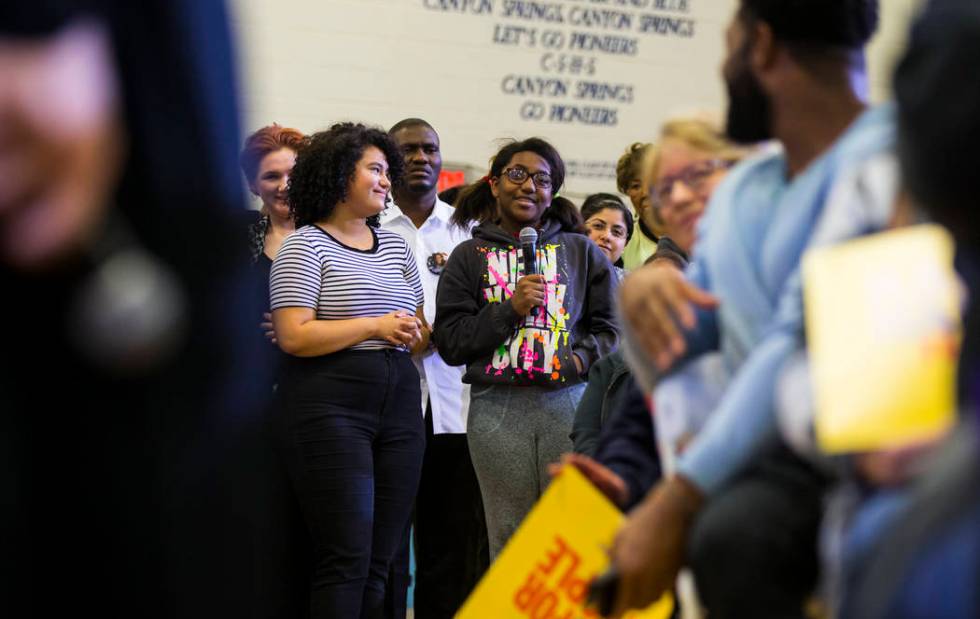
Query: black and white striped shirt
point(316, 271)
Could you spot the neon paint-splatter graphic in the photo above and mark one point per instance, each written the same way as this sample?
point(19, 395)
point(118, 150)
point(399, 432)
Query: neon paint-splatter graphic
point(537, 347)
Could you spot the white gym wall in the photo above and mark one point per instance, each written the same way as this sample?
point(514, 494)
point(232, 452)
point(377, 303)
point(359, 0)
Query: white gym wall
point(481, 70)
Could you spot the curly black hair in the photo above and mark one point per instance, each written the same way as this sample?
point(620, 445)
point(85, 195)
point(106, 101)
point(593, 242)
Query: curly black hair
point(325, 167)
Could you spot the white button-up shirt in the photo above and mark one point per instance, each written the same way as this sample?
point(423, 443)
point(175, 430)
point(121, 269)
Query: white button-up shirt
point(442, 384)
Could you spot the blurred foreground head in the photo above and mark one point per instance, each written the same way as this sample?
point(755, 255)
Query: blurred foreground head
point(825, 37)
point(61, 139)
point(105, 108)
point(118, 147)
point(938, 98)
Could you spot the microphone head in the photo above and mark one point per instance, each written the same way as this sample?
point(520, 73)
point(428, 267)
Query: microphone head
point(529, 235)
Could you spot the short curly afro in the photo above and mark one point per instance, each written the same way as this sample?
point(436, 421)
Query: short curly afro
point(325, 167)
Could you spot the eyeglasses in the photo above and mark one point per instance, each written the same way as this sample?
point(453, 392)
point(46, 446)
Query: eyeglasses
point(519, 174)
point(693, 176)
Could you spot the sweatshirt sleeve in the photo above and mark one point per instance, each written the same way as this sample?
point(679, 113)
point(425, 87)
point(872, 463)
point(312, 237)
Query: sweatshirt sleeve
point(603, 332)
point(588, 415)
point(464, 331)
point(628, 445)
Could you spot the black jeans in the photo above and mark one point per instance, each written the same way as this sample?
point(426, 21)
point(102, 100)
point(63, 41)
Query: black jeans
point(451, 547)
point(753, 548)
point(350, 429)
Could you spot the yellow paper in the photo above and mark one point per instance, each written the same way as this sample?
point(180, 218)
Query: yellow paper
point(882, 324)
point(545, 569)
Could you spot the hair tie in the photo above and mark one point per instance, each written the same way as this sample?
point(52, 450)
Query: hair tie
point(485, 179)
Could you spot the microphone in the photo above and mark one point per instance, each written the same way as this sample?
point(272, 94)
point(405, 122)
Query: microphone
point(529, 249)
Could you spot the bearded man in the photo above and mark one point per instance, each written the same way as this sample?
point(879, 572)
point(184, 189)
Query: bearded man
point(741, 509)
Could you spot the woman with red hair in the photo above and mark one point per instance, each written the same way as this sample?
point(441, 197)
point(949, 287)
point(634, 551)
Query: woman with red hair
point(267, 160)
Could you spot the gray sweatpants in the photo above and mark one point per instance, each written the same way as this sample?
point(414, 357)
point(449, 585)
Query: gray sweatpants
point(513, 434)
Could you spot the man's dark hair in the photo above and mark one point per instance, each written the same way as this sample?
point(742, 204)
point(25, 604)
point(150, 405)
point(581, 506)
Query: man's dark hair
point(324, 169)
point(409, 122)
point(938, 97)
point(815, 24)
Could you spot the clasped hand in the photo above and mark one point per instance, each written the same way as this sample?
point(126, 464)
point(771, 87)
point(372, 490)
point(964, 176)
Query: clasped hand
point(400, 328)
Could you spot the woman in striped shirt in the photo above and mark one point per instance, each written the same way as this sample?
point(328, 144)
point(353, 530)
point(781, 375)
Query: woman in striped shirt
point(346, 305)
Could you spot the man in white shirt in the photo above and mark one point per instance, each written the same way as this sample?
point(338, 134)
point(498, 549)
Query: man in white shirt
point(450, 532)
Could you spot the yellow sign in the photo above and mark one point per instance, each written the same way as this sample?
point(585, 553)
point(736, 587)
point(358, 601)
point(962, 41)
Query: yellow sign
point(882, 320)
point(545, 569)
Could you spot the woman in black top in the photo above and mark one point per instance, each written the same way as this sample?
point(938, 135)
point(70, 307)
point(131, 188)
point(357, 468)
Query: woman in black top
point(267, 160)
point(282, 551)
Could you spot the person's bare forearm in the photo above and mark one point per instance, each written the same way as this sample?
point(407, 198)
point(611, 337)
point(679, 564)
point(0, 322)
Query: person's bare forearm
point(322, 337)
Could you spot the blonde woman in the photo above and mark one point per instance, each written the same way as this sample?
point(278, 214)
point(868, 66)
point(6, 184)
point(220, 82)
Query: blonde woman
point(691, 157)
point(682, 169)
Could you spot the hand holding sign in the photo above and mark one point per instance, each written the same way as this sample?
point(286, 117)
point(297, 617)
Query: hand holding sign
point(546, 568)
point(649, 549)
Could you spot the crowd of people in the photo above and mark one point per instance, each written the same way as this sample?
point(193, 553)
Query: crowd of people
point(642, 343)
point(664, 393)
point(419, 366)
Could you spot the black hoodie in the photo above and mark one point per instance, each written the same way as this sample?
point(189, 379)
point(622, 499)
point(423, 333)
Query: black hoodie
point(477, 325)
